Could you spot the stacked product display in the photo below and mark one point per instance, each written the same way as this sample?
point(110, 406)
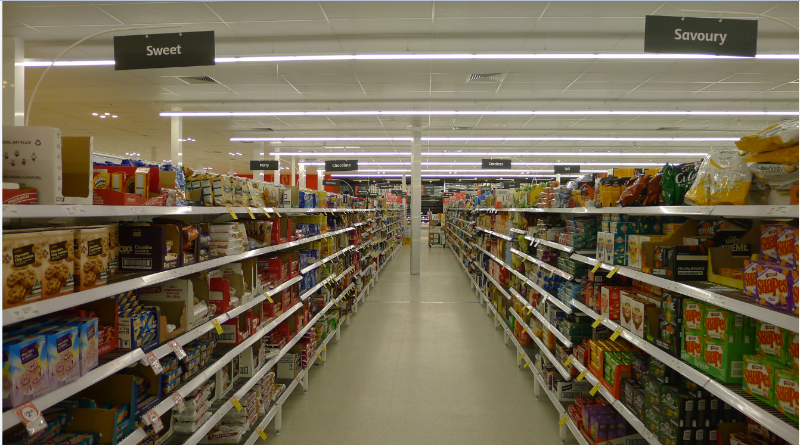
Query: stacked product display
point(664, 324)
point(142, 329)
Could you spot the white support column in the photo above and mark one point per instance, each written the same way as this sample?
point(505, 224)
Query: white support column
point(320, 178)
point(301, 182)
point(258, 154)
point(292, 180)
point(277, 176)
point(416, 204)
point(176, 138)
point(13, 82)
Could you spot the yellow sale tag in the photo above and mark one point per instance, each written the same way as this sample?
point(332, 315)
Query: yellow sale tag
point(597, 322)
point(596, 266)
point(264, 209)
point(594, 389)
point(526, 364)
point(319, 357)
point(269, 298)
point(616, 334)
point(581, 375)
point(323, 348)
point(230, 210)
point(251, 213)
point(563, 420)
point(529, 311)
point(236, 404)
point(569, 360)
point(276, 212)
point(520, 357)
point(217, 326)
point(261, 434)
point(613, 271)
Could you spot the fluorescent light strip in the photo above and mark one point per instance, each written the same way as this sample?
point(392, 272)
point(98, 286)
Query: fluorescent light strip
point(334, 113)
point(434, 56)
point(461, 175)
point(363, 154)
point(487, 154)
point(494, 139)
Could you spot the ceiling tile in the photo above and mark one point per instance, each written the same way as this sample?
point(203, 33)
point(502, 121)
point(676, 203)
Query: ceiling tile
point(381, 27)
point(57, 15)
point(489, 9)
point(377, 10)
point(235, 11)
point(148, 13)
point(635, 10)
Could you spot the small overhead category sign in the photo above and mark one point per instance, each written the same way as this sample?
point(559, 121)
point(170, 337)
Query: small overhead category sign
point(341, 166)
point(362, 191)
point(385, 185)
point(567, 169)
point(264, 165)
point(331, 182)
point(691, 35)
point(495, 164)
point(164, 50)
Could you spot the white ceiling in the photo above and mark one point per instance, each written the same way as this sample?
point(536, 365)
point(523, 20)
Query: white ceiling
point(70, 94)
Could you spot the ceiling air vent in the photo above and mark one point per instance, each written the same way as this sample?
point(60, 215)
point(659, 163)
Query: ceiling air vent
point(202, 80)
point(462, 128)
point(486, 77)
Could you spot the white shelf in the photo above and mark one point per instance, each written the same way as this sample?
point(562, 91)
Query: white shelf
point(517, 231)
point(100, 211)
point(500, 235)
point(540, 263)
point(770, 421)
point(32, 310)
point(730, 211)
point(542, 347)
point(496, 284)
point(786, 321)
point(554, 330)
point(324, 260)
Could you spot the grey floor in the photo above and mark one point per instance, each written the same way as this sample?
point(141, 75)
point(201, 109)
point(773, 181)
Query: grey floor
point(420, 363)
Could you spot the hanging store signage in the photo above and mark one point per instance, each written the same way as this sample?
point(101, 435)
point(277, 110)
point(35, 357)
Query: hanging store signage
point(362, 191)
point(341, 166)
point(566, 169)
point(331, 182)
point(264, 165)
point(164, 50)
point(496, 164)
point(387, 185)
point(691, 35)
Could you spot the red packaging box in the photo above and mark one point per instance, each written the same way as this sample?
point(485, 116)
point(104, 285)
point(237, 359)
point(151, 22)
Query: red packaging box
point(609, 301)
point(23, 195)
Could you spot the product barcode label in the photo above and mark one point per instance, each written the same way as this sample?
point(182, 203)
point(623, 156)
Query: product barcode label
point(137, 263)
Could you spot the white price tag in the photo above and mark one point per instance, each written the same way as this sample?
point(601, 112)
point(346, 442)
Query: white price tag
point(9, 210)
point(138, 210)
point(177, 349)
point(26, 312)
point(31, 417)
point(153, 420)
point(152, 361)
point(178, 400)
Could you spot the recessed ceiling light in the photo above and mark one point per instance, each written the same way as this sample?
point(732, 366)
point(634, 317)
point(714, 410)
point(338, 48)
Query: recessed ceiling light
point(94, 114)
point(107, 114)
point(114, 116)
point(102, 117)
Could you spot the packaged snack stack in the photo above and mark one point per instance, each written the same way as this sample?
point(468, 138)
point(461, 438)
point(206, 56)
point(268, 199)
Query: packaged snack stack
point(228, 239)
point(773, 281)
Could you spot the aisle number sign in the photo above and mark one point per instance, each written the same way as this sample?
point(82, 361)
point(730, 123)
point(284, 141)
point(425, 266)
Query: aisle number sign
point(692, 35)
point(170, 50)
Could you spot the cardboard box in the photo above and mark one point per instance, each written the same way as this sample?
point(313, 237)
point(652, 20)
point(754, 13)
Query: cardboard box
point(772, 341)
point(37, 265)
point(191, 290)
point(724, 360)
point(170, 312)
point(689, 228)
point(149, 248)
point(680, 263)
point(720, 258)
point(19, 195)
point(786, 393)
point(723, 325)
point(117, 390)
point(786, 245)
point(288, 366)
point(759, 375)
point(91, 257)
point(140, 330)
point(235, 330)
point(59, 168)
point(771, 285)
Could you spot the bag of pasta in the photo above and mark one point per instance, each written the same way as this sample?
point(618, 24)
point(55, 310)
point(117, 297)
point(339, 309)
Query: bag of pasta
point(723, 179)
point(773, 138)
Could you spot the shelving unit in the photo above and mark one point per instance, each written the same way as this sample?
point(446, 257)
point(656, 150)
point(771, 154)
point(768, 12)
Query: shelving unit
point(728, 211)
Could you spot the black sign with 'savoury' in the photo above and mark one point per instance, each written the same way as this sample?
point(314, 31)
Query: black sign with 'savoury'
point(690, 35)
point(164, 50)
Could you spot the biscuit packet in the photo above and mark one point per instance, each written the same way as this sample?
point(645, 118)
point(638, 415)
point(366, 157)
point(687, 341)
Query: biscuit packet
point(217, 190)
point(207, 194)
point(227, 190)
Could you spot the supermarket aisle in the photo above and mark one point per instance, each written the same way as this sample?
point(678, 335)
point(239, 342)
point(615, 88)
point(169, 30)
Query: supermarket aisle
point(420, 363)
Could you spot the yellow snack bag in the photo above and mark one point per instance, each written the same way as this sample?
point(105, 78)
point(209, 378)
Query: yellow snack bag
point(788, 155)
point(773, 138)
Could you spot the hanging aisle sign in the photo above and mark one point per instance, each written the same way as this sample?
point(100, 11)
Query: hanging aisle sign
point(341, 166)
point(264, 165)
point(164, 50)
point(331, 182)
point(691, 35)
point(563, 169)
point(496, 164)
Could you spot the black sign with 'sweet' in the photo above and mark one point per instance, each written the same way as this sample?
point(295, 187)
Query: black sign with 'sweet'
point(164, 50)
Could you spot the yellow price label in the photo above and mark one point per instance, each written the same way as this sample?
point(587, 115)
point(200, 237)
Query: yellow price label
point(613, 271)
point(569, 360)
point(319, 357)
point(217, 326)
point(323, 348)
point(563, 420)
point(594, 389)
point(230, 210)
point(597, 322)
point(581, 375)
point(264, 209)
point(530, 309)
point(269, 299)
point(520, 357)
point(261, 434)
point(276, 212)
point(616, 334)
point(596, 266)
point(236, 404)
point(526, 364)
point(251, 213)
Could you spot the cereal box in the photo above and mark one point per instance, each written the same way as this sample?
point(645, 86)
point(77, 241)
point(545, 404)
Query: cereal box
point(769, 241)
point(89, 351)
point(91, 258)
point(723, 360)
point(693, 315)
point(774, 285)
point(786, 393)
point(773, 341)
point(63, 355)
point(609, 302)
point(27, 369)
point(759, 375)
point(693, 346)
point(720, 324)
point(786, 245)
